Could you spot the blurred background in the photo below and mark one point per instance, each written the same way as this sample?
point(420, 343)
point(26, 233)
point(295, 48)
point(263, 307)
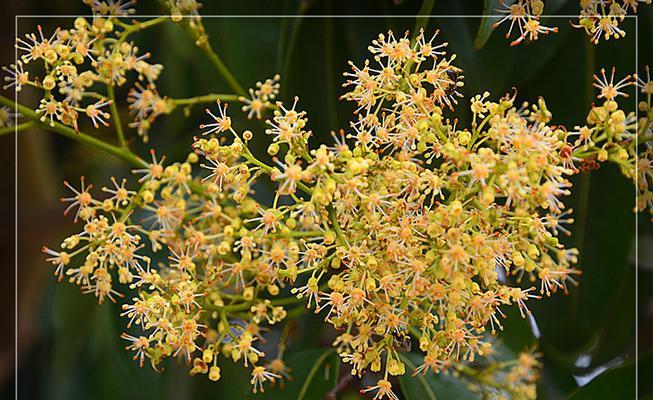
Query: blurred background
point(69, 347)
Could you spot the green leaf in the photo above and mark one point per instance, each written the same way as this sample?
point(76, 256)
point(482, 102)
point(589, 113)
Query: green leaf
point(314, 373)
point(485, 29)
point(431, 386)
point(617, 383)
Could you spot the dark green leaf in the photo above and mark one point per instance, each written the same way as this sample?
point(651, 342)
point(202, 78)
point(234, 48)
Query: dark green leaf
point(314, 373)
point(485, 28)
point(617, 383)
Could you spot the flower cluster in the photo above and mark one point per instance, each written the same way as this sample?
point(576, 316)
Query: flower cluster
point(598, 18)
point(526, 15)
point(111, 7)
point(182, 306)
point(77, 71)
point(434, 220)
point(407, 226)
point(501, 377)
point(613, 134)
point(76, 64)
point(261, 98)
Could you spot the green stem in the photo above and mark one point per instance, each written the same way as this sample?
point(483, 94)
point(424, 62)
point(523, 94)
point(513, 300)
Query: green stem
point(312, 372)
point(138, 26)
point(196, 31)
point(69, 132)
point(20, 127)
point(296, 234)
point(336, 225)
point(207, 98)
point(205, 46)
point(267, 169)
point(116, 116)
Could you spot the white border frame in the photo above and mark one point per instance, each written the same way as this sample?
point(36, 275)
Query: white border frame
point(334, 16)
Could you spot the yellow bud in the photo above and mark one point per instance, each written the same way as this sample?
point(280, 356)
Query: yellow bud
point(464, 138)
point(533, 251)
point(537, 6)
point(147, 196)
point(354, 167)
point(248, 293)
point(370, 284)
point(396, 367)
point(487, 197)
point(330, 185)
point(611, 105)
point(273, 149)
point(456, 208)
point(329, 237)
point(107, 205)
point(518, 259)
point(224, 248)
point(214, 373)
point(602, 156)
point(51, 56)
point(80, 23)
point(49, 82)
point(192, 158)
point(424, 343)
point(273, 289)
point(108, 26)
point(423, 124)
point(622, 154)
point(207, 355)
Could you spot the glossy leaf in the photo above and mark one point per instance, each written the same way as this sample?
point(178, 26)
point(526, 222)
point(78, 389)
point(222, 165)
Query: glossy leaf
point(617, 383)
point(485, 28)
point(314, 373)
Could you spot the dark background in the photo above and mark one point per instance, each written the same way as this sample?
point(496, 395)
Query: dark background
point(68, 346)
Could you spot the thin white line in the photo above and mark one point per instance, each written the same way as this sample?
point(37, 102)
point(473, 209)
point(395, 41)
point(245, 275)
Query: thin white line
point(16, 227)
point(340, 16)
point(636, 222)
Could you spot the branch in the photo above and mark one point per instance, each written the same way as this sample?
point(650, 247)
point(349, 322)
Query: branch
point(116, 116)
point(11, 129)
point(207, 98)
point(196, 31)
point(69, 132)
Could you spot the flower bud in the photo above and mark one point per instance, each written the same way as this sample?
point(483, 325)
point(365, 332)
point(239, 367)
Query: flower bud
point(49, 82)
point(273, 149)
point(273, 289)
point(214, 373)
point(518, 259)
point(207, 355)
point(464, 138)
